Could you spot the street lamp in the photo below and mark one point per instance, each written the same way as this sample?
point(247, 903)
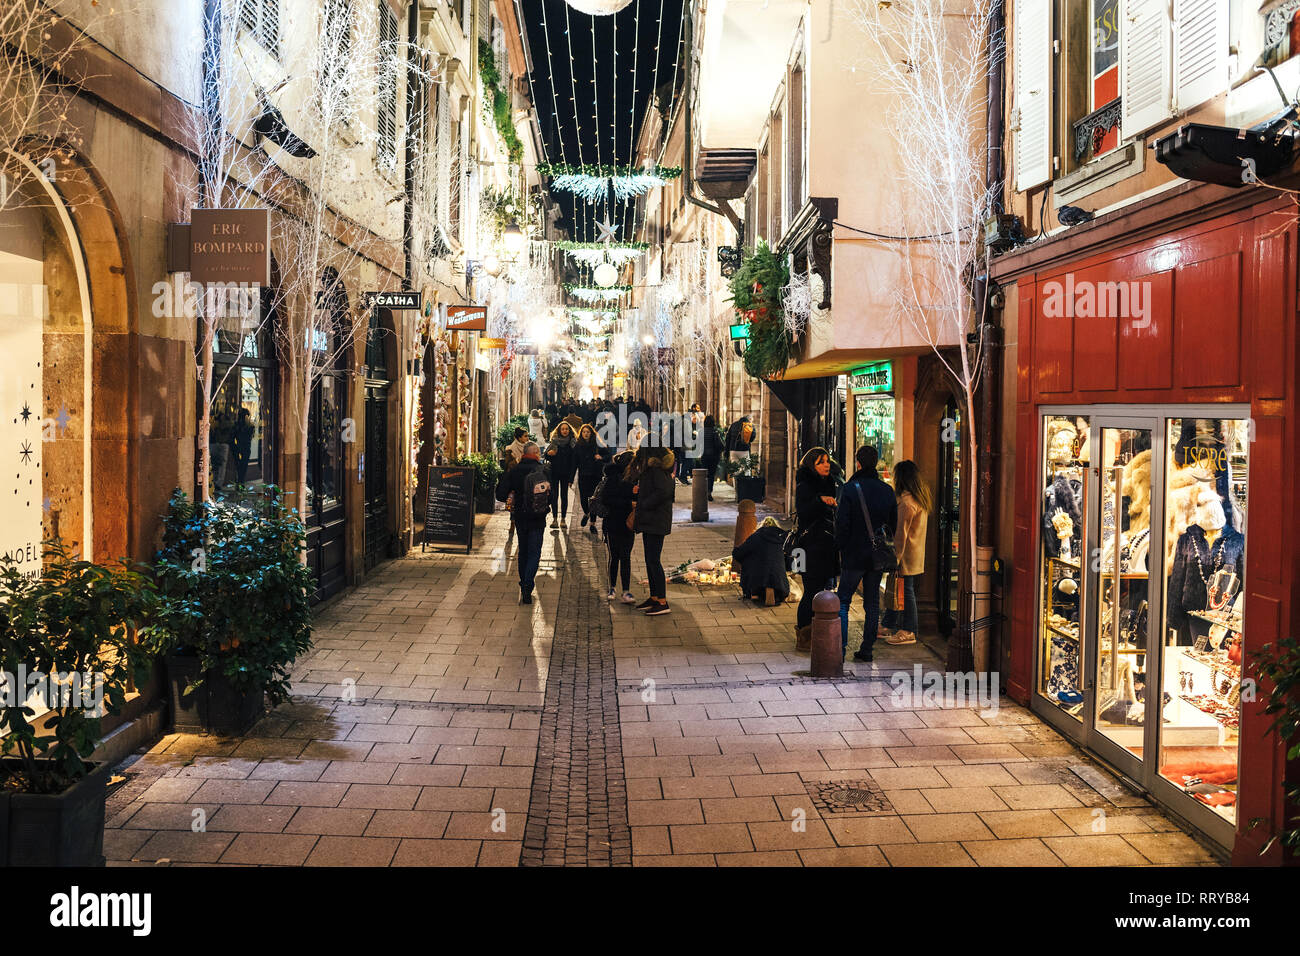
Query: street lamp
point(491, 265)
point(514, 239)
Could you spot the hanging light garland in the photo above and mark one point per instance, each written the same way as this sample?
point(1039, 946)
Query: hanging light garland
point(595, 293)
point(595, 253)
point(592, 182)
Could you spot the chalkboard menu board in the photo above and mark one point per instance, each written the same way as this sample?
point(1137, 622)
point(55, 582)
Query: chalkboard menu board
point(449, 507)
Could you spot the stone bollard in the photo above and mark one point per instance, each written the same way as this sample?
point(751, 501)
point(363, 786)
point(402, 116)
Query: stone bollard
point(827, 644)
point(746, 524)
point(700, 494)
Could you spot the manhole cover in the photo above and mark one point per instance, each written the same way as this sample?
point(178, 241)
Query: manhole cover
point(841, 797)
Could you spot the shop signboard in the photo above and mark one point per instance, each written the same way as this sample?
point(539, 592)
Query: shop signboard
point(875, 377)
point(467, 318)
point(740, 332)
point(393, 300)
point(449, 506)
point(486, 343)
point(230, 245)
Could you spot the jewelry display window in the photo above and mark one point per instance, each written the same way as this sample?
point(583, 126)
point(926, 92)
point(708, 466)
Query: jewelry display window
point(1205, 502)
point(1064, 520)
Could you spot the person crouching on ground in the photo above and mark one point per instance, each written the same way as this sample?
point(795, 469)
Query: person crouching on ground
point(814, 507)
point(762, 565)
point(862, 495)
point(651, 476)
point(617, 497)
point(562, 454)
point(527, 485)
point(593, 455)
point(914, 504)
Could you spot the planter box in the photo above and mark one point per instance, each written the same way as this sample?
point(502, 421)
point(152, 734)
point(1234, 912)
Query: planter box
point(215, 707)
point(751, 489)
point(62, 829)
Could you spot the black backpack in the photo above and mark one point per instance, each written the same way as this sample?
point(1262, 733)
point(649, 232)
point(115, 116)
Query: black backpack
point(596, 505)
point(536, 497)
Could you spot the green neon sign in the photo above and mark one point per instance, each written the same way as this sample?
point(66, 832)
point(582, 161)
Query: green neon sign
point(740, 331)
point(874, 377)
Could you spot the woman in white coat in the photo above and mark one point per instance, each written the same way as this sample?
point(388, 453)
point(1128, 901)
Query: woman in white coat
point(914, 505)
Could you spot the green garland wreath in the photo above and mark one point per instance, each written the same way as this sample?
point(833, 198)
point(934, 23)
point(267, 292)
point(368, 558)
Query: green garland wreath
point(756, 297)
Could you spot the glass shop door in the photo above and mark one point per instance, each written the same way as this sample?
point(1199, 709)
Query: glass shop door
point(1116, 662)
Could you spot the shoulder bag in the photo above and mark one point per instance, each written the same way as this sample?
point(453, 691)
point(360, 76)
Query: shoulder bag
point(883, 556)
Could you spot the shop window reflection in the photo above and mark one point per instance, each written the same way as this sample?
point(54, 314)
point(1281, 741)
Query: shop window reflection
point(1065, 443)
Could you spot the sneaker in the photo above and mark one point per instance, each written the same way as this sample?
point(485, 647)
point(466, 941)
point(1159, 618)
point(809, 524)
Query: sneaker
point(629, 597)
point(863, 658)
point(659, 608)
point(901, 637)
point(648, 602)
point(610, 595)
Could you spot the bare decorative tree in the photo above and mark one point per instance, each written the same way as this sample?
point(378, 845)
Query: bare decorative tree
point(930, 59)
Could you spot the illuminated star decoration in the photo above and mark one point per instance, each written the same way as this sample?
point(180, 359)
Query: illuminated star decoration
point(606, 231)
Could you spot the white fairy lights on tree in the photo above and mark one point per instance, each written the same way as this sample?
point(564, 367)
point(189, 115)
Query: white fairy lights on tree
point(931, 59)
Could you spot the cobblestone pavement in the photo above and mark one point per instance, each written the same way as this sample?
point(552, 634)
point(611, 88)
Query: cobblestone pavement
point(438, 722)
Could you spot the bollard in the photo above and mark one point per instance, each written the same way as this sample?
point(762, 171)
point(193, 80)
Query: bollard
point(827, 644)
point(746, 524)
point(700, 494)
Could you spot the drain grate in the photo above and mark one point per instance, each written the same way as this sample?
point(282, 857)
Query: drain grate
point(841, 797)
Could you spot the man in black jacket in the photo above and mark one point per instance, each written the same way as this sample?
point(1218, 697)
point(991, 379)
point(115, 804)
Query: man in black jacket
point(861, 495)
point(529, 523)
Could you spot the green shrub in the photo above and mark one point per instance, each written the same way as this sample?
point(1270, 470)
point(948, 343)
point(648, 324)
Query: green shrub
point(73, 618)
point(235, 590)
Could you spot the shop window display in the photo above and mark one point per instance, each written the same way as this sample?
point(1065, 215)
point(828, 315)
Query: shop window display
point(1205, 508)
point(1063, 520)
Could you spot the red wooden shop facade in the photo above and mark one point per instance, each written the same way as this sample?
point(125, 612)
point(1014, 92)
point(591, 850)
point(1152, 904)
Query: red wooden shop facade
point(1220, 268)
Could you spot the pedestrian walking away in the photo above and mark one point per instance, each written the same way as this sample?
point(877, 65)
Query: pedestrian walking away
point(651, 475)
point(900, 625)
point(617, 499)
point(527, 485)
point(866, 507)
point(562, 455)
point(593, 455)
point(814, 507)
point(710, 450)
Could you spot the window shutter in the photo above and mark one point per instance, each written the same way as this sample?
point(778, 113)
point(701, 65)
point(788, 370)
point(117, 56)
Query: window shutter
point(1144, 65)
point(386, 121)
point(1033, 51)
point(248, 15)
point(271, 25)
point(1200, 51)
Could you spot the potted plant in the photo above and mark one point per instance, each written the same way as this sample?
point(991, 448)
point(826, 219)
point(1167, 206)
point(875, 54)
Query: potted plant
point(750, 485)
point(235, 611)
point(68, 647)
point(486, 472)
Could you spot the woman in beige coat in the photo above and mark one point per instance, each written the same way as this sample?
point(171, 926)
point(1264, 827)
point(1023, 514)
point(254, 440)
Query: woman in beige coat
point(914, 505)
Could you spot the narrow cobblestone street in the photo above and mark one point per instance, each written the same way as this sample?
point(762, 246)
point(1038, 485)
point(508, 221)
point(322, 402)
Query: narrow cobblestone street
point(438, 722)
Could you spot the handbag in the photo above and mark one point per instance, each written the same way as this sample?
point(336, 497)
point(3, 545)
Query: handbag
point(892, 586)
point(631, 518)
point(883, 556)
point(791, 542)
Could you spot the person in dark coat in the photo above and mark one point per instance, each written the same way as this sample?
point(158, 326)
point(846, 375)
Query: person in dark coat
point(710, 450)
point(531, 527)
point(562, 455)
point(863, 492)
point(814, 507)
point(762, 565)
point(651, 474)
point(593, 456)
point(617, 497)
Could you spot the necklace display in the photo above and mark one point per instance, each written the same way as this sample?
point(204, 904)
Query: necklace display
point(1217, 563)
point(1127, 550)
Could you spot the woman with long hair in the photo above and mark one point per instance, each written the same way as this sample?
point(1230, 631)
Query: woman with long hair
point(710, 450)
point(814, 508)
point(651, 475)
point(592, 458)
point(562, 453)
point(915, 502)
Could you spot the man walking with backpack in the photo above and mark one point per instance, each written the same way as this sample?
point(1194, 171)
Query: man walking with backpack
point(530, 483)
point(865, 517)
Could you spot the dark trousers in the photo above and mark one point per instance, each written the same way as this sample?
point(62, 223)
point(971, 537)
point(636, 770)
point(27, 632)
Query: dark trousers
point(712, 465)
point(813, 584)
point(850, 578)
point(560, 496)
point(586, 485)
point(654, 549)
point(620, 542)
point(906, 619)
point(530, 556)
